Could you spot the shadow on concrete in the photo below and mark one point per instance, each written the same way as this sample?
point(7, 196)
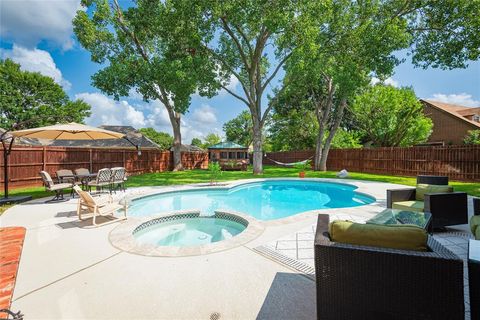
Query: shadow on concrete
point(291, 296)
point(87, 223)
point(65, 214)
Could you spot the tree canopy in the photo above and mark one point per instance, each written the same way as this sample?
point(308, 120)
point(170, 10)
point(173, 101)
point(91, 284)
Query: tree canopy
point(211, 139)
point(240, 129)
point(163, 139)
point(29, 100)
point(143, 47)
point(472, 137)
point(391, 117)
point(196, 142)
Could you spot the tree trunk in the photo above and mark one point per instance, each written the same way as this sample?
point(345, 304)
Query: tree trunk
point(257, 147)
point(322, 110)
point(333, 131)
point(177, 139)
point(319, 147)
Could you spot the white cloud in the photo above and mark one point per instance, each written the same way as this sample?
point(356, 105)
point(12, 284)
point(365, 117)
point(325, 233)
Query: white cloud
point(389, 81)
point(36, 60)
point(233, 83)
point(28, 22)
point(105, 110)
point(205, 115)
point(462, 99)
point(108, 111)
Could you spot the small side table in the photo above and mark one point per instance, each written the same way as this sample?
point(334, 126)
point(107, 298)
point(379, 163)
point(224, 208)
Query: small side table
point(474, 277)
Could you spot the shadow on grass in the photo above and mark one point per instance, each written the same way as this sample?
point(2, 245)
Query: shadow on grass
point(291, 296)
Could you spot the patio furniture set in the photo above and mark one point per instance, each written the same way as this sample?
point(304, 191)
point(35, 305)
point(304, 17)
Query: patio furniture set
point(358, 279)
point(113, 179)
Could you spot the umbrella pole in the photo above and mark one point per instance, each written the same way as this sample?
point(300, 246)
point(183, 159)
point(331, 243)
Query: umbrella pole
point(5, 171)
point(6, 154)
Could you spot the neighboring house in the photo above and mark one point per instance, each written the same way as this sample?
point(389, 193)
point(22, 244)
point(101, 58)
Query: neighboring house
point(451, 123)
point(230, 155)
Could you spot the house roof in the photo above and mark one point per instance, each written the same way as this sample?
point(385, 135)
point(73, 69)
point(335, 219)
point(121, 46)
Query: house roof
point(469, 111)
point(227, 145)
point(455, 110)
point(189, 148)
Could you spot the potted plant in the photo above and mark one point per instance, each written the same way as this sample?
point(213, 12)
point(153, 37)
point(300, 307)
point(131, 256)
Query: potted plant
point(215, 172)
point(302, 166)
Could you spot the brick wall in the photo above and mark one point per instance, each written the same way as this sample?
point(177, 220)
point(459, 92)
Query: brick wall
point(446, 127)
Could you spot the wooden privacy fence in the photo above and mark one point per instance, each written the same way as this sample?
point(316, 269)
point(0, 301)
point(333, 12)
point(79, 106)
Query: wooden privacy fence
point(456, 162)
point(25, 163)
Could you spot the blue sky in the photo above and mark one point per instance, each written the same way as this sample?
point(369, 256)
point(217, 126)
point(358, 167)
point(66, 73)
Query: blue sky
point(38, 35)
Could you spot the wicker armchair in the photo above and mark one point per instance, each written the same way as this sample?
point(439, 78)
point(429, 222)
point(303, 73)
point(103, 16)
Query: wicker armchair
point(359, 282)
point(446, 208)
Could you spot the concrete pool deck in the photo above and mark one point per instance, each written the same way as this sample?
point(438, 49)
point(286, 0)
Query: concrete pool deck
point(69, 271)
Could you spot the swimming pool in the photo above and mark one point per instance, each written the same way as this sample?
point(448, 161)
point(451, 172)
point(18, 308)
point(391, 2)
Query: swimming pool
point(264, 200)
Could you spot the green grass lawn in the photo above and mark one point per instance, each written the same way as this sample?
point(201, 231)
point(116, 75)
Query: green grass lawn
point(197, 176)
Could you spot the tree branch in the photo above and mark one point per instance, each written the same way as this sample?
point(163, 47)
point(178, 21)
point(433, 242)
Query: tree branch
point(231, 70)
point(237, 42)
point(129, 33)
point(245, 39)
point(280, 64)
point(235, 95)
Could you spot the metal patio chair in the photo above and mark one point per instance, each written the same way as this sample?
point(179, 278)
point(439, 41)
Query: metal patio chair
point(55, 187)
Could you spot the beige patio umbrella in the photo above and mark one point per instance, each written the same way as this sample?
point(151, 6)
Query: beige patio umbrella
point(68, 131)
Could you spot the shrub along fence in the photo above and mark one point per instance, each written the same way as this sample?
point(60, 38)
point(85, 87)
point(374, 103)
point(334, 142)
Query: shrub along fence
point(25, 163)
point(457, 162)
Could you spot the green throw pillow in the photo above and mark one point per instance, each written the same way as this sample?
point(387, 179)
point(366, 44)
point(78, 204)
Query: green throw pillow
point(406, 237)
point(475, 226)
point(422, 189)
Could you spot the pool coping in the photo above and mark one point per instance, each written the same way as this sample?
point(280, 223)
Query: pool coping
point(122, 236)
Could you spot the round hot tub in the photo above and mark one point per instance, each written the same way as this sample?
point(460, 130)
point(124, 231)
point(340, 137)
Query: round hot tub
point(185, 233)
point(189, 230)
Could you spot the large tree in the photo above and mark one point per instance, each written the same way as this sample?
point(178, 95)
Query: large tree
point(250, 41)
point(240, 129)
point(163, 139)
point(144, 47)
point(391, 117)
point(211, 139)
point(353, 40)
point(29, 100)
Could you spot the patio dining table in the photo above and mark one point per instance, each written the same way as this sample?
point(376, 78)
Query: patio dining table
point(83, 178)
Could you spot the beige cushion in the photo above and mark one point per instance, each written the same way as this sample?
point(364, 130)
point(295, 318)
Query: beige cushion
point(406, 237)
point(409, 205)
point(59, 186)
point(475, 226)
point(422, 189)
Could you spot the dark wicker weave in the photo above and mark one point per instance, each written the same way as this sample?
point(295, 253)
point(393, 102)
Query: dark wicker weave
point(446, 208)
point(474, 286)
point(476, 206)
point(438, 180)
point(359, 282)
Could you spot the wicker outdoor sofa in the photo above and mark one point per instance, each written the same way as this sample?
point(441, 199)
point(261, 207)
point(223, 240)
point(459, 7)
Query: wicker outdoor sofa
point(360, 282)
point(446, 208)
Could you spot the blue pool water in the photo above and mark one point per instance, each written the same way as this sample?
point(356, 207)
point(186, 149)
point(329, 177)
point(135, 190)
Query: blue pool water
point(267, 200)
point(189, 232)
